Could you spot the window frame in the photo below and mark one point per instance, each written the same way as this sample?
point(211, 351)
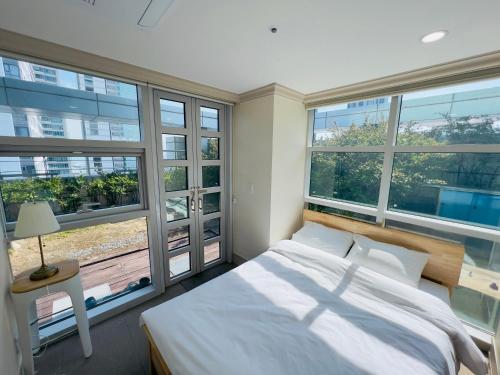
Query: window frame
point(381, 212)
point(28, 146)
point(144, 150)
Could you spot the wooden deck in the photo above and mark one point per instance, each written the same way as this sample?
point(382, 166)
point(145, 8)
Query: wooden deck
point(113, 274)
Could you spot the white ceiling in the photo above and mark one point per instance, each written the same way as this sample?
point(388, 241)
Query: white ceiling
point(321, 44)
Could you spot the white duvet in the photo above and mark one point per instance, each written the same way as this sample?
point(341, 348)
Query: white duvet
point(298, 310)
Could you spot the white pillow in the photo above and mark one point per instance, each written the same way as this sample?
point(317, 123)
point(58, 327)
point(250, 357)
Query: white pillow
point(333, 241)
point(393, 261)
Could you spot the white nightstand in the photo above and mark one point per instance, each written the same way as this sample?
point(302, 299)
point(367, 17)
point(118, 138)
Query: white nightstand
point(24, 293)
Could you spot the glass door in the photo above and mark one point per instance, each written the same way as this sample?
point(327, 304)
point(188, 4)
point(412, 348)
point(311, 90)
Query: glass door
point(190, 138)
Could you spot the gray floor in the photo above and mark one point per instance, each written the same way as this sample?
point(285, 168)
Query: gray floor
point(119, 344)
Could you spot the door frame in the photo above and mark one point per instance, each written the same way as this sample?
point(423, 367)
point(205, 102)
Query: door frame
point(192, 115)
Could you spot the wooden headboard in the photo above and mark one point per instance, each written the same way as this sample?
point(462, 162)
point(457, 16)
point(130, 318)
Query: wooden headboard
point(446, 259)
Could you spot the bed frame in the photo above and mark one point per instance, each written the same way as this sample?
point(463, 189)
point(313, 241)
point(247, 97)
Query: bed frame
point(443, 267)
point(157, 365)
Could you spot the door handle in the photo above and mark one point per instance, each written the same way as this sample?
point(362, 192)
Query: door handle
point(192, 202)
point(200, 203)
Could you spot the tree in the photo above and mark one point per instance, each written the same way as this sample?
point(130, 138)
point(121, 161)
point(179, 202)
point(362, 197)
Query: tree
point(416, 177)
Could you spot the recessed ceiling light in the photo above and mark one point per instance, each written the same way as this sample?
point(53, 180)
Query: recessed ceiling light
point(434, 36)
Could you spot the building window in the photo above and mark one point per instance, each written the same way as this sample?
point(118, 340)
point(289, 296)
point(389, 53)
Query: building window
point(43, 74)
point(425, 154)
point(11, 68)
point(52, 126)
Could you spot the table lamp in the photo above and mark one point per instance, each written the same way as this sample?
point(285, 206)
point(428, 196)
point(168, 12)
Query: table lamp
point(36, 219)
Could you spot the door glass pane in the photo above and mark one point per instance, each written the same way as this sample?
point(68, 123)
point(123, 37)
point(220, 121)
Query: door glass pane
point(172, 114)
point(211, 203)
point(175, 178)
point(359, 123)
point(180, 264)
point(211, 252)
point(177, 208)
point(174, 147)
point(211, 176)
point(178, 237)
point(210, 148)
point(348, 176)
point(211, 228)
point(209, 119)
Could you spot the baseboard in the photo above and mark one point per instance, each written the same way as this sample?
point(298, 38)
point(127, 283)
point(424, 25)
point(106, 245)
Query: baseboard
point(238, 259)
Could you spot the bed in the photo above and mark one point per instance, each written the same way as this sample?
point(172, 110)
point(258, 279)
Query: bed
point(297, 310)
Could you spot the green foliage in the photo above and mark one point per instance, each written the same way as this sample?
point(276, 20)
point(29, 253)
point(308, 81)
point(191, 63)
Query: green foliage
point(211, 152)
point(67, 194)
point(416, 177)
point(175, 178)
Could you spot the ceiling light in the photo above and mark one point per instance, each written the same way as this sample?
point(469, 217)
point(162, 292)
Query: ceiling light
point(434, 36)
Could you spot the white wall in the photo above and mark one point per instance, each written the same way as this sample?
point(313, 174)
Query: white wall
point(252, 154)
point(8, 356)
point(269, 142)
point(288, 166)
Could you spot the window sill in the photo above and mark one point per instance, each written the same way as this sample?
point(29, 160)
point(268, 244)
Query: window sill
point(98, 314)
point(482, 339)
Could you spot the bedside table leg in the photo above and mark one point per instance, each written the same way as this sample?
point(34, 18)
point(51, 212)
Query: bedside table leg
point(21, 306)
point(75, 291)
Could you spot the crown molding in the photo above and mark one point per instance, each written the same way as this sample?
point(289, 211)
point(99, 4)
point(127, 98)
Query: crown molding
point(463, 70)
point(272, 89)
point(71, 58)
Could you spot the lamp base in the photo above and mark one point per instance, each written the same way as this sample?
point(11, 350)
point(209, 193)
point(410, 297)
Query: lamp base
point(44, 272)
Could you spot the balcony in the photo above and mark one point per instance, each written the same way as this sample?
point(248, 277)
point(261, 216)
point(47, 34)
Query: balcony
point(113, 257)
point(103, 280)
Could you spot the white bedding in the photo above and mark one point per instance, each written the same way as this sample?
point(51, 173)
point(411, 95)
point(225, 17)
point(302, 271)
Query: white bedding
point(298, 310)
point(437, 290)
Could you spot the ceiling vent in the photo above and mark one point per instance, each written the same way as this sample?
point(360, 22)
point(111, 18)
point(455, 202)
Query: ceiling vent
point(153, 12)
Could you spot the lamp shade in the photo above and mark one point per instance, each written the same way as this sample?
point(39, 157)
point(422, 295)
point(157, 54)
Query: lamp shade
point(35, 219)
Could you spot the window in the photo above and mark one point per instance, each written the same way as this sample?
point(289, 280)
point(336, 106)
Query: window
point(82, 151)
point(67, 108)
point(463, 114)
point(454, 186)
point(114, 260)
point(70, 184)
point(347, 176)
point(345, 125)
point(430, 154)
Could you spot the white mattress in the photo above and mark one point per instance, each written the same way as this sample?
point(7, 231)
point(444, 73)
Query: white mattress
point(298, 310)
